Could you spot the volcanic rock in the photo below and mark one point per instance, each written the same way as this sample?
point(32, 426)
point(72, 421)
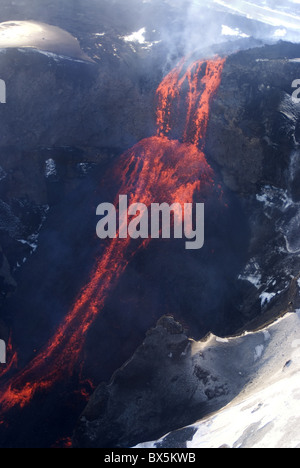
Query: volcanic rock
point(68, 120)
point(263, 414)
point(254, 120)
point(66, 116)
point(252, 141)
point(162, 383)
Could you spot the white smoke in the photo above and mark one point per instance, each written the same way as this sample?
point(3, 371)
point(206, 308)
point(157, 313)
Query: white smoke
point(270, 12)
point(206, 23)
point(283, 15)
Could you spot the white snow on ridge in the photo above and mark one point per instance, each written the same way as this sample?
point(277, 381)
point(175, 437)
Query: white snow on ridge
point(52, 55)
point(267, 419)
point(227, 31)
point(266, 413)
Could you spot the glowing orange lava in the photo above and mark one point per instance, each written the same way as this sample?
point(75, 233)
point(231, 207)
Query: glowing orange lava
point(155, 170)
point(196, 85)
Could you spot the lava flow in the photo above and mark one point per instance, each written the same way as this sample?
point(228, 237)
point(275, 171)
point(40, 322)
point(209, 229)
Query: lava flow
point(157, 169)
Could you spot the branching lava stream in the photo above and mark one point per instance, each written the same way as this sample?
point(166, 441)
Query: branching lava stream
point(157, 169)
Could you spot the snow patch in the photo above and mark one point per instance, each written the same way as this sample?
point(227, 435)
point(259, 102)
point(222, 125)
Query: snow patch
point(266, 298)
point(274, 197)
point(280, 32)
point(265, 413)
point(227, 31)
point(50, 168)
point(252, 274)
point(138, 36)
point(32, 242)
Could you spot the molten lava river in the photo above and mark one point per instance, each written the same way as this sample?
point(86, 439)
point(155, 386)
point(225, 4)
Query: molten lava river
point(157, 169)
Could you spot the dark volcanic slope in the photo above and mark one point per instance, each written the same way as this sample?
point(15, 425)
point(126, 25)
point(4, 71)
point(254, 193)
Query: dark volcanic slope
point(253, 141)
point(161, 385)
point(253, 137)
point(62, 127)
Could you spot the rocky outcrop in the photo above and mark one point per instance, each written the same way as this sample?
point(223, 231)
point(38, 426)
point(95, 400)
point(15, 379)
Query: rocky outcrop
point(62, 121)
point(62, 117)
point(171, 379)
point(60, 102)
point(263, 414)
point(163, 383)
point(252, 142)
point(254, 122)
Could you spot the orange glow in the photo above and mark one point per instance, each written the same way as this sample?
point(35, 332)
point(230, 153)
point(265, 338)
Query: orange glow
point(195, 87)
point(155, 170)
point(65, 442)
